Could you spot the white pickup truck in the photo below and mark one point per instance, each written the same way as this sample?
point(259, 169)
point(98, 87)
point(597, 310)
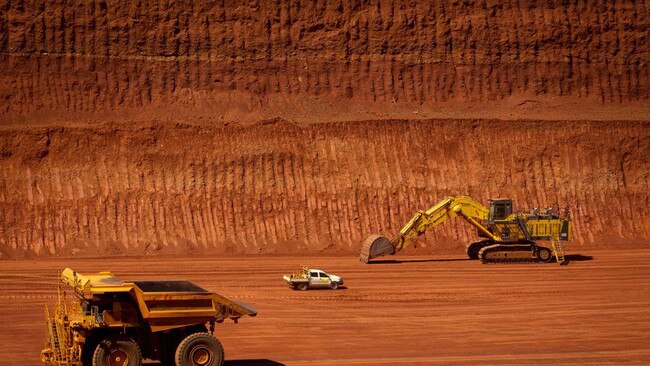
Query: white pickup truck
point(312, 278)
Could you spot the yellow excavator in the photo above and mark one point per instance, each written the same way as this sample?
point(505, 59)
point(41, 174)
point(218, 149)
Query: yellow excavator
point(508, 236)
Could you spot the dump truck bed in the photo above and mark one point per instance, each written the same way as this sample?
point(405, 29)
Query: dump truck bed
point(163, 304)
point(162, 307)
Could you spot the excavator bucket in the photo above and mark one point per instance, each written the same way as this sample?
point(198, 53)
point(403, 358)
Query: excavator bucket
point(376, 246)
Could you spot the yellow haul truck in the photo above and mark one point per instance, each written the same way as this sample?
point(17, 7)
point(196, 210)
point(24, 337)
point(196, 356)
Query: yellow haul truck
point(509, 236)
point(119, 323)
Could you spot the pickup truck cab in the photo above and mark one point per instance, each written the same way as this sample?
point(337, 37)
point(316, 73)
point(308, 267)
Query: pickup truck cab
point(307, 278)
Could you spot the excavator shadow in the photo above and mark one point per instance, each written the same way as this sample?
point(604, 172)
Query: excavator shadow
point(258, 362)
point(400, 261)
point(567, 259)
point(251, 362)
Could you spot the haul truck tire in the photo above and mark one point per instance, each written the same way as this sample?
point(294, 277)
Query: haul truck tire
point(199, 349)
point(544, 255)
point(117, 351)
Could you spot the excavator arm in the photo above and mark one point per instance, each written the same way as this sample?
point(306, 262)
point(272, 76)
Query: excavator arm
point(450, 207)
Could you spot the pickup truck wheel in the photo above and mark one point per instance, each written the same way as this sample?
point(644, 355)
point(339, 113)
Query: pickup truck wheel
point(335, 285)
point(117, 351)
point(199, 349)
point(302, 287)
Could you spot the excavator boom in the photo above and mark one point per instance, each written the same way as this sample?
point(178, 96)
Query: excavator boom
point(450, 207)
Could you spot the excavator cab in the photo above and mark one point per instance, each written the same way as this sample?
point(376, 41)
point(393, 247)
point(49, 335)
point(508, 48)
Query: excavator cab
point(500, 209)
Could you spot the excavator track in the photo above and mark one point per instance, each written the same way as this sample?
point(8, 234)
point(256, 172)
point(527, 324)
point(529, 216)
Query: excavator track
point(507, 253)
point(474, 248)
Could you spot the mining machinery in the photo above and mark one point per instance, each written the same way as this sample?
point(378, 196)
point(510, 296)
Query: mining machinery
point(119, 323)
point(508, 236)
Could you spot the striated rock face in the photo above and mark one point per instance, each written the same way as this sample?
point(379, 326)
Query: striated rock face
point(133, 127)
point(230, 57)
point(276, 187)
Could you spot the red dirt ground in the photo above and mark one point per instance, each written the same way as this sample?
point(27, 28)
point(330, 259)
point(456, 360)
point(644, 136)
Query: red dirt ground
point(441, 310)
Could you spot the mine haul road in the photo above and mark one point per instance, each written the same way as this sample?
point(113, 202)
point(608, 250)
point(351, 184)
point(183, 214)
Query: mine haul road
point(436, 310)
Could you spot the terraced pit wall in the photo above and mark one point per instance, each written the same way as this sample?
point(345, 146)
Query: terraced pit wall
point(276, 187)
point(229, 59)
point(131, 127)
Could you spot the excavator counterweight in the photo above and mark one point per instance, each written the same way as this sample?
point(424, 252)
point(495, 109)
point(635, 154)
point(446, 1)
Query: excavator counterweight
point(509, 236)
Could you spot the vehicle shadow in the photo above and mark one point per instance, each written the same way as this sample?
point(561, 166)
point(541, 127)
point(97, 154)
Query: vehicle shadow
point(252, 362)
point(576, 258)
point(323, 289)
point(567, 259)
point(258, 362)
point(400, 261)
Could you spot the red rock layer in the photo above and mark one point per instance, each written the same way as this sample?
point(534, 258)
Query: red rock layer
point(262, 55)
point(276, 187)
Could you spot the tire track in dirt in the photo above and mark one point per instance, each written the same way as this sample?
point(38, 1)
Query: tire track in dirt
point(441, 311)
